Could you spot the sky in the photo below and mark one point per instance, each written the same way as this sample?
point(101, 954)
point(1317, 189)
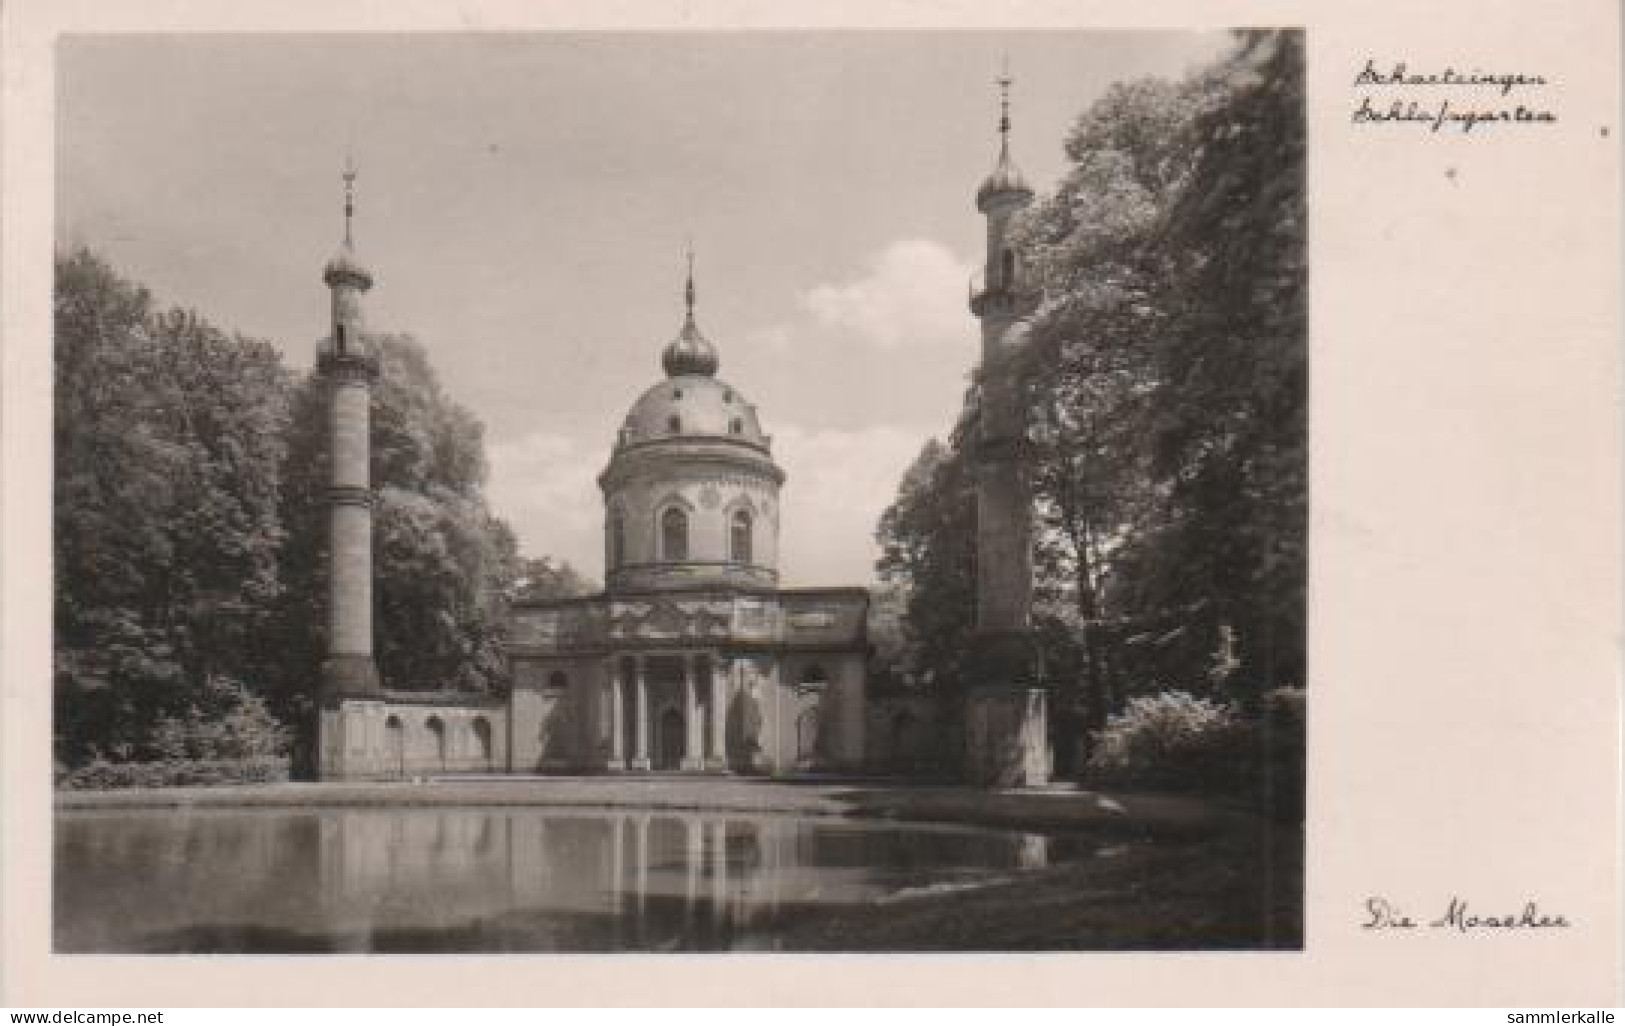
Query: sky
point(524, 201)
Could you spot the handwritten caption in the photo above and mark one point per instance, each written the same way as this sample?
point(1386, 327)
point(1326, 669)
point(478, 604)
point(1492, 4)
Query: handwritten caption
point(1462, 916)
point(1396, 94)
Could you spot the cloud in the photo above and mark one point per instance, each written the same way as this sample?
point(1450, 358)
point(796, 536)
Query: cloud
point(775, 338)
point(913, 294)
point(545, 486)
point(839, 484)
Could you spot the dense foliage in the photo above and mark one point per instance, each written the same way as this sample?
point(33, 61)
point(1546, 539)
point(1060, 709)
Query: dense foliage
point(1166, 378)
point(190, 537)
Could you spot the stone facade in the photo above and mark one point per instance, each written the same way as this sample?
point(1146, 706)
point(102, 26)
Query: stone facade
point(692, 660)
point(409, 734)
point(694, 680)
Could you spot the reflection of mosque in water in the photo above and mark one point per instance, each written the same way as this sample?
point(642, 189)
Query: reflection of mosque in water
point(487, 879)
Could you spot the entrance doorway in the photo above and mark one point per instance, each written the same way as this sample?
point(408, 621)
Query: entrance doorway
point(669, 745)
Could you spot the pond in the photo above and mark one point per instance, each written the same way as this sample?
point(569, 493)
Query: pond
point(488, 879)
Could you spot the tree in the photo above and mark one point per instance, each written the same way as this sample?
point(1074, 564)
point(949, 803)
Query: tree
point(1231, 434)
point(166, 527)
point(928, 545)
point(1089, 370)
point(540, 579)
point(443, 563)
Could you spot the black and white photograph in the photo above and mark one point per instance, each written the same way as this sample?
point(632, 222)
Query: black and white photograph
point(679, 492)
point(536, 504)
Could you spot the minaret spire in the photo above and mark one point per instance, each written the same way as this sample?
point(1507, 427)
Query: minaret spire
point(688, 291)
point(1004, 81)
point(349, 196)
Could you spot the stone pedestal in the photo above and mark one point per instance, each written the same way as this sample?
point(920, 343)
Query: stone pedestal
point(1007, 736)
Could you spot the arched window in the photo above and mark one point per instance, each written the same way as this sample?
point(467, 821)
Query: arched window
point(674, 535)
point(482, 739)
point(736, 426)
point(617, 538)
point(395, 745)
point(437, 730)
point(557, 679)
point(739, 538)
point(807, 737)
point(1008, 267)
point(674, 424)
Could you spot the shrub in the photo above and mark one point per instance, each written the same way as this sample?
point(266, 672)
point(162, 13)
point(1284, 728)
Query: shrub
point(101, 775)
point(1176, 740)
point(235, 726)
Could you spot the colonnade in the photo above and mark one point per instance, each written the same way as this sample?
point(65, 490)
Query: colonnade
point(714, 756)
point(705, 859)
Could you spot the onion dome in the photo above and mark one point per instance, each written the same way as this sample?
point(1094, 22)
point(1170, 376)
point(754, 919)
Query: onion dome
point(1006, 179)
point(689, 353)
point(346, 269)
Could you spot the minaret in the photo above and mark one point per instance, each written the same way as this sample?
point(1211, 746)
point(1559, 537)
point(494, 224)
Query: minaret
point(349, 363)
point(1004, 564)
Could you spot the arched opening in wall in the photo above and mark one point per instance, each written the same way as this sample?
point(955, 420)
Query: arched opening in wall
point(557, 679)
point(1007, 268)
point(736, 426)
point(739, 537)
point(904, 742)
point(814, 674)
point(807, 739)
point(482, 740)
point(395, 745)
point(674, 535)
point(437, 732)
point(617, 538)
point(669, 743)
point(674, 424)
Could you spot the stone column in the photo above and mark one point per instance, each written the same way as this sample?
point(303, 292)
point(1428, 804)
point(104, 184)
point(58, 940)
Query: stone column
point(719, 866)
point(617, 717)
point(641, 853)
point(640, 756)
point(692, 759)
point(717, 757)
point(617, 864)
point(693, 858)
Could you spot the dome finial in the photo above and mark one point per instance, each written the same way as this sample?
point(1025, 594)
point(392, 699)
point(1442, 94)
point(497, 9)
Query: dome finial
point(689, 352)
point(349, 194)
point(688, 292)
point(346, 268)
point(1004, 80)
point(1006, 179)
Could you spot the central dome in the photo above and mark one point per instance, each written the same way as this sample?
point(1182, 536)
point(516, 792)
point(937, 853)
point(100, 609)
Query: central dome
point(691, 492)
point(693, 406)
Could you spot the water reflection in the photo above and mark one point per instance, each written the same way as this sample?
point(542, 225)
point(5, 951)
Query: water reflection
point(491, 879)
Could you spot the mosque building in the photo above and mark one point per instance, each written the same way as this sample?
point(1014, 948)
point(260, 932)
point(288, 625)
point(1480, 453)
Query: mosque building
point(694, 658)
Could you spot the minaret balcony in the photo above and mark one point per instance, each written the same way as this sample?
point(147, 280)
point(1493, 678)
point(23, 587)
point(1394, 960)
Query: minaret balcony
point(1004, 300)
point(353, 362)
